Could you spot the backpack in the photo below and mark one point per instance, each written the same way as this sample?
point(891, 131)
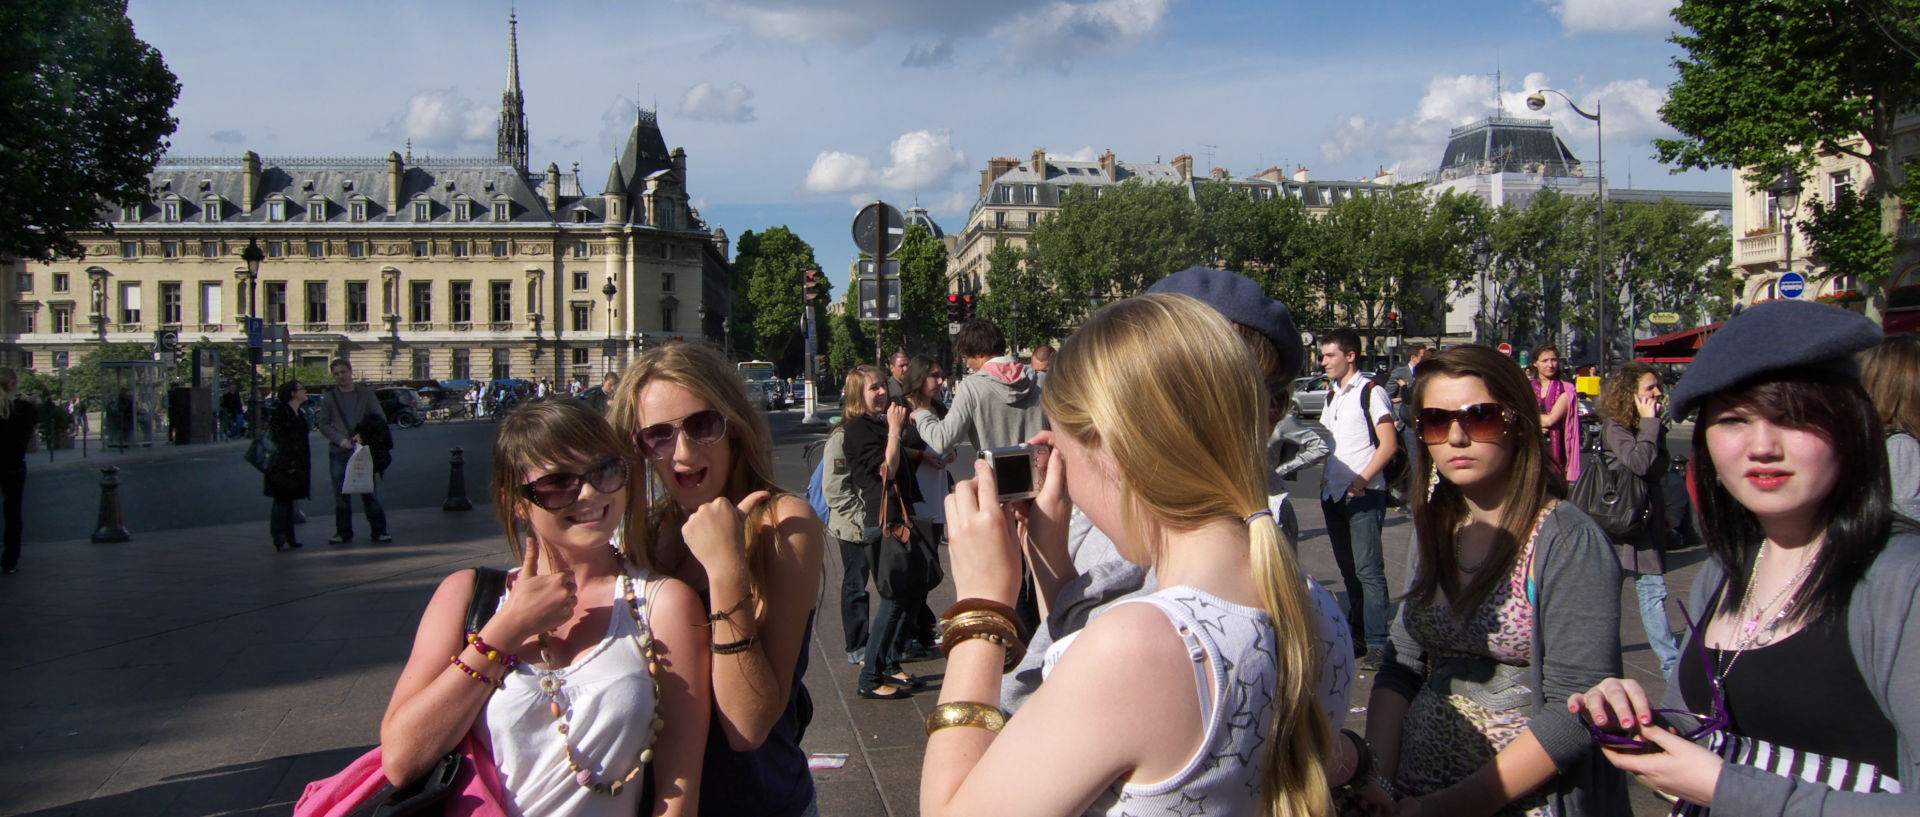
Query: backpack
point(817, 484)
point(1399, 467)
point(1615, 497)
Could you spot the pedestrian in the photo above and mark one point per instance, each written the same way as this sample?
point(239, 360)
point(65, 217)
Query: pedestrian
point(1512, 605)
point(1559, 411)
point(1353, 494)
point(594, 668)
point(18, 420)
point(882, 448)
point(1634, 434)
point(231, 424)
point(286, 478)
point(1042, 358)
point(926, 387)
point(1170, 468)
point(1291, 448)
point(1399, 387)
point(473, 401)
point(340, 417)
point(1797, 695)
point(751, 551)
point(896, 374)
point(1890, 372)
point(602, 397)
point(846, 518)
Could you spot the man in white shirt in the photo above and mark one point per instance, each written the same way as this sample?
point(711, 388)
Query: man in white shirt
point(1353, 494)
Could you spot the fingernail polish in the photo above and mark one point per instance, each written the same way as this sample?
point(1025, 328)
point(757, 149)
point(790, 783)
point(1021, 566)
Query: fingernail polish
point(1646, 719)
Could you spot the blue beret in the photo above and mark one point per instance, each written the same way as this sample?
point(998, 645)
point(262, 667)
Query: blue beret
point(1770, 337)
point(1242, 301)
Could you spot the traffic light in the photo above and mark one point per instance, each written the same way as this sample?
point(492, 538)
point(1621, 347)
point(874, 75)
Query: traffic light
point(811, 285)
point(956, 311)
point(968, 307)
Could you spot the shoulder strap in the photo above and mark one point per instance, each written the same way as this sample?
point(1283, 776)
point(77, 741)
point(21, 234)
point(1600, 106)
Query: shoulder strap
point(488, 584)
point(1366, 410)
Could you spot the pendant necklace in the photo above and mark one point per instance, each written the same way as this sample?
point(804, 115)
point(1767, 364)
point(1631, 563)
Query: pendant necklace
point(553, 685)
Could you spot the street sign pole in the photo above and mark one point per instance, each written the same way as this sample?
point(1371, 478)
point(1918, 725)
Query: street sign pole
point(808, 417)
point(880, 286)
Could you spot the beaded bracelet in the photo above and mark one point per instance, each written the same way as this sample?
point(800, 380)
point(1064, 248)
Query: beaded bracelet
point(726, 614)
point(732, 647)
point(476, 674)
point(986, 626)
point(505, 659)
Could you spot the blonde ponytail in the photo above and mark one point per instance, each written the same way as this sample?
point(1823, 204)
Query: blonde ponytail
point(1293, 777)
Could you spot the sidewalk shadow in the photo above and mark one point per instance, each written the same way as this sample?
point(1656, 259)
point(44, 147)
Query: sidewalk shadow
point(262, 788)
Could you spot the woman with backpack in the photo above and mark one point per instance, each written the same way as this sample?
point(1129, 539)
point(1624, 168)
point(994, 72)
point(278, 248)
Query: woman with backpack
point(1634, 437)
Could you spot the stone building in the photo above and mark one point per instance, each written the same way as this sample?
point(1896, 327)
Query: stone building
point(414, 269)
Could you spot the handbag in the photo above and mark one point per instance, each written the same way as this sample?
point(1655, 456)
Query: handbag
point(904, 564)
point(1615, 497)
point(260, 452)
point(465, 782)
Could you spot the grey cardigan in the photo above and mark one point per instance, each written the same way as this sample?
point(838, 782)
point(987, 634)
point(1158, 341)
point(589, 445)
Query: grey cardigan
point(1644, 454)
point(1882, 609)
point(1576, 644)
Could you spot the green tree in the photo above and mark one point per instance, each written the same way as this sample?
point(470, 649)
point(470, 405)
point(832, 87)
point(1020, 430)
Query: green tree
point(1664, 258)
point(1848, 236)
point(1764, 84)
point(746, 249)
point(923, 292)
point(850, 342)
point(1018, 299)
point(84, 120)
point(773, 273)
point(1534, 250)
point(1100, 248)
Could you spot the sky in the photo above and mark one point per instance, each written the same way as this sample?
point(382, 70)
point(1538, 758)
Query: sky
point(796, 112)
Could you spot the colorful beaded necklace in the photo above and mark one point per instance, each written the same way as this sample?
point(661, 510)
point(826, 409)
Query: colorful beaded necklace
point(553, 684)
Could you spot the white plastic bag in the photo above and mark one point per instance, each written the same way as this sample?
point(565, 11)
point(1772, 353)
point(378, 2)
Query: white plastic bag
point(359, 478)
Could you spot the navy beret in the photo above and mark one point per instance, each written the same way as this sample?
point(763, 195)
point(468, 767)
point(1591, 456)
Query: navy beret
point(1770, 337)
point(1242, 301)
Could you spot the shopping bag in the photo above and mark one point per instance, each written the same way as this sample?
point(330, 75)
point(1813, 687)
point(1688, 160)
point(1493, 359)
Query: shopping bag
point(359, 477)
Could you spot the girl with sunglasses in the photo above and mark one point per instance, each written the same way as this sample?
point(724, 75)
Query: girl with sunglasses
point(588, 686)
point(882, 449)
point(1197, 698)
point(1513, 606)
point(1798, 693)
point(750, 550)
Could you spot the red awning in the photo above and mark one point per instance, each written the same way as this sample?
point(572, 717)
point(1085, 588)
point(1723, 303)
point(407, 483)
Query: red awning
point(1674, 347)
point(1906, 319)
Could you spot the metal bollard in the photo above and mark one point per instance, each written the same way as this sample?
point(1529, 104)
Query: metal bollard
point(457, 483)
point(110, 528)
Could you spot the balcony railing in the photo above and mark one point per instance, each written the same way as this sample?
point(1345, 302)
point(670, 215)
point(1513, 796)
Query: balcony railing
point(1765, 248)
point(1909, 232)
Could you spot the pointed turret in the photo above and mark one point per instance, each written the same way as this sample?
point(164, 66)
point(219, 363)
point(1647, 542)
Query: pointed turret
point(512, 137)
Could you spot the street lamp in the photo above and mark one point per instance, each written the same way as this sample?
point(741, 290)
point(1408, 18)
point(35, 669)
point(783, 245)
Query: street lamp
point(1536, 101)
point(253, 256)
point(1482, 251)
point(1786, 195)
point(609, 290)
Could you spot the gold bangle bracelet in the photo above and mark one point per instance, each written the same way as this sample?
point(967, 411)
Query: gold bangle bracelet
point(965, 713)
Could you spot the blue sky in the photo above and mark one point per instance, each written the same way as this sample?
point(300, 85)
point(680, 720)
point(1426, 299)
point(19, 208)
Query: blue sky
point(794, 111)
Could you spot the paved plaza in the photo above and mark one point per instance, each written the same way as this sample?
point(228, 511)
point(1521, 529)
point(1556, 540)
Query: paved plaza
point(194, 671)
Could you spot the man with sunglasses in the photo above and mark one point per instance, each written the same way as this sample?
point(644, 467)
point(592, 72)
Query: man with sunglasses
point(1353, 494)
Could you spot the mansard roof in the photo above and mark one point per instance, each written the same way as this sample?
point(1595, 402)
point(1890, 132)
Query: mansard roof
point(1503, 144)
point(339, 181)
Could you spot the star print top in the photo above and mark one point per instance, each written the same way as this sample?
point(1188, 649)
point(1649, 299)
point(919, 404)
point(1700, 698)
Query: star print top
point(1237, 644)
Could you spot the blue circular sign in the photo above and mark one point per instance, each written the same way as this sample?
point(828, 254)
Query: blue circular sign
point(1792, 284)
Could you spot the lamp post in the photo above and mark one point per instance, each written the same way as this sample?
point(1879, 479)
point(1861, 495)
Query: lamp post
point(609, 290)
point(1786, 194)
point(1536, 101)
point(1482, 251)
point(253, 256)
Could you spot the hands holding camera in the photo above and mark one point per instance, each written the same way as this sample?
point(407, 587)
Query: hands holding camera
point(983, 526)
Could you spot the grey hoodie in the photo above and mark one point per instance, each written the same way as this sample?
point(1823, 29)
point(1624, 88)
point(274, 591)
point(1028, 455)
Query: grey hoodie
point(994, 407)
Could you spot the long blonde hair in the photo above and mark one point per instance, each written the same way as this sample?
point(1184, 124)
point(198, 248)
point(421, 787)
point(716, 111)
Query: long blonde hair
point(700, 368)
point(853, 393)
point(1161, 374)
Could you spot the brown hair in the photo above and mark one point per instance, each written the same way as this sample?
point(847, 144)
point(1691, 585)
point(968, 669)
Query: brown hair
point(561, 433)
point(1532, 481)
point(1533, 368)
point(1890, 372)
point(702, 369)
point(1616, 396)
point(853, 393)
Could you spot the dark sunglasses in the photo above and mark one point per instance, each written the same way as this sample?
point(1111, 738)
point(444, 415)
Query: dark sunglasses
point(1708, 724)
point(705, 427)
point(1483, 422)
point(556, 491)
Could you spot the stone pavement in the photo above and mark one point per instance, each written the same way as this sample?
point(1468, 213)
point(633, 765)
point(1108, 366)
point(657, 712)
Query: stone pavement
point(198, 672)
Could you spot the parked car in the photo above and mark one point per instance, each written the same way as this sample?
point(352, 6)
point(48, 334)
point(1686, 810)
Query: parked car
point(402, 406)
point(759, 393)
point(1310, 395)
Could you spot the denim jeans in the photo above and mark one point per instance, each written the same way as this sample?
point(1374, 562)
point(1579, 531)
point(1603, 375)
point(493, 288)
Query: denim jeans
point(853, 594)
point(1652, 590)
point(343, 503)
point(280, 522)
point(883, 644)
point(1353, 530)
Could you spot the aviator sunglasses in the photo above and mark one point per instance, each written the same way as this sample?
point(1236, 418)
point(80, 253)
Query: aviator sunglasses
point(704, 427)
point(558, 490)
point(1483, 422)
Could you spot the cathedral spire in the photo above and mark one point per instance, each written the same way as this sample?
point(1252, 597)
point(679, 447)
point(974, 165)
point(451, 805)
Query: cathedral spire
point(512, 138)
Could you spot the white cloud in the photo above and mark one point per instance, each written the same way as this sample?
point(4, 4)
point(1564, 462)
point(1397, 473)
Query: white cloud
point(956, 202)
point(922, 161)
point(1055, 34)
point(1589, 16)
point(1084, 154)
point(930, 55)
point(1060, 33)
point(229, 137)
point(733, 103)
point(442, 119)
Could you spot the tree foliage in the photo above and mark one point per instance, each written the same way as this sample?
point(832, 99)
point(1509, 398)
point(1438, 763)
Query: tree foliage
point(923, 293)
point(772, 264)
point(83, 118)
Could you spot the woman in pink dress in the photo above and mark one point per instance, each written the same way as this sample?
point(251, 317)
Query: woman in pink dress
point(1559, 414)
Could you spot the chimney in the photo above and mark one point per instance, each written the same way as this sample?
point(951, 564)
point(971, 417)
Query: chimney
point(1301, 175)
point(1040, 163)
point(1183, 165)
point(1272, 174)
point(1220, 174)
point(679, 156)
point(249, 180)
point(996, 167)
point(1109, 166)
point(395, 172)
point(553, 188)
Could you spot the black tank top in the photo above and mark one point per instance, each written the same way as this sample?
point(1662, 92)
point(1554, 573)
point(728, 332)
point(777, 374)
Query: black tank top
point(1803, 692)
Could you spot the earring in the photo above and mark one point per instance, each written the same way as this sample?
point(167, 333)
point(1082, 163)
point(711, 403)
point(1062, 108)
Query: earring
point(1433, 479)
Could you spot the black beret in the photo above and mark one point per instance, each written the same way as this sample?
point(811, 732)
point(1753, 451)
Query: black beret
point(1242, 301)
point(1770, 337)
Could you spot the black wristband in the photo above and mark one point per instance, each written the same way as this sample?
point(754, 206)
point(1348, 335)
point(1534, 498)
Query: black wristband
point(1363, 762)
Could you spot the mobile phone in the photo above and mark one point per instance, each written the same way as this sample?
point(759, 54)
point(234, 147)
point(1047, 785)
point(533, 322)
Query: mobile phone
point(1017, 470)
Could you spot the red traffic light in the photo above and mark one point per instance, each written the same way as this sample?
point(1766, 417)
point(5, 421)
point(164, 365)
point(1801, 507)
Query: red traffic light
point(1393, 316)
point(953, 299)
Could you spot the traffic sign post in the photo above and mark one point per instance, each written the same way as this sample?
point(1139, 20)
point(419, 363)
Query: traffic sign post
point(1506, 349)
point(878, 231)
point(1792, 284)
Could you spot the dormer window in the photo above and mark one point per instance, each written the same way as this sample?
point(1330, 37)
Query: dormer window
point(170, 211)
point(503, 210)
point(210, 210)
point(423, 211)
point(580, 216)
point(462, 210)
point(317, 210)
point(277, 210)
point(357, 210)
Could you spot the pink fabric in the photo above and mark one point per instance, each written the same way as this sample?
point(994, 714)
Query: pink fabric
point(1563, 438)
point(478, 791)
point(1008, 370)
